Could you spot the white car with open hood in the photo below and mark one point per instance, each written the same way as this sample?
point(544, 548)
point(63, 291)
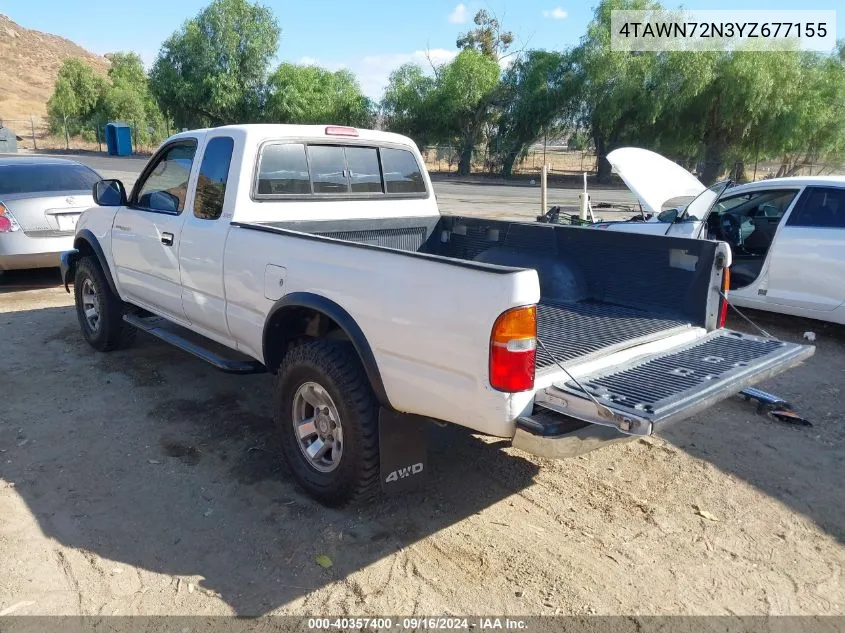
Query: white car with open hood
point(787, 235)
point(318, 254)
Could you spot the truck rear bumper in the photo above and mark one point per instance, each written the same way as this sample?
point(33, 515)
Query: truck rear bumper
point(551, 435)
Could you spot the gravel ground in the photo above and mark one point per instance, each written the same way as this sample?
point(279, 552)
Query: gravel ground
point(145, 482)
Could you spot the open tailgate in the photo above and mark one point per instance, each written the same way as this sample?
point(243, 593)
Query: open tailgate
point(644, 394)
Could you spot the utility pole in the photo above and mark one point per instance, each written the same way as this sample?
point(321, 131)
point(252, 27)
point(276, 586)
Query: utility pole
point(544, 196)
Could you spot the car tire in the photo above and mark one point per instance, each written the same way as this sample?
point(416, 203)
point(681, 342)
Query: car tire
point(330, 373)
point(104, 328)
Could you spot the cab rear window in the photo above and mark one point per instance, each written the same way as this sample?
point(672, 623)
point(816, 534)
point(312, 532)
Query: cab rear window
point(401, 172)
point(322, 170)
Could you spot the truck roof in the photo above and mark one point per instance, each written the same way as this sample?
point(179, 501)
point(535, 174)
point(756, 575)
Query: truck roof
point(259, 131)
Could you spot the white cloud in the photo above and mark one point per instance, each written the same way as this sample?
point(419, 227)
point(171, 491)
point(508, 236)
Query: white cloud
point(307, 61)
point(373, 71)
point(555, 14)
point(460, 14)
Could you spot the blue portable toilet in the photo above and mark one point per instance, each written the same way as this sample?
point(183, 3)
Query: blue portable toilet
point(118, 138)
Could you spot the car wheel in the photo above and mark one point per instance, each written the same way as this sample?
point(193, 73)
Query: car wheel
point(327, 414)
point(99, 310)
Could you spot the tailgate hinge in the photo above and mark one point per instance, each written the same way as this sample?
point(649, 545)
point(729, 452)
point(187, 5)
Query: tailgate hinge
point(585, 410)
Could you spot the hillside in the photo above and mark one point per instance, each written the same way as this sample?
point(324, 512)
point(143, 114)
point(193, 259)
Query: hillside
point(29, 64)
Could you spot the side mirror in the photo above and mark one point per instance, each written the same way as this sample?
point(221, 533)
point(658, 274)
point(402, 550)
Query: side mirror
point(669, 216)
point(110, 193)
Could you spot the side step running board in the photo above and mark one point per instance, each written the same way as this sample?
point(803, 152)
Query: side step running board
point(199, 347)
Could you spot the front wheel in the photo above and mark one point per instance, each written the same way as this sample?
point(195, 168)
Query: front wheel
point(99, 310)
point(327, 414)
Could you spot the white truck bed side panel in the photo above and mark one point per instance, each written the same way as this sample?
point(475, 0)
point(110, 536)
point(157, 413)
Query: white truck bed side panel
point(427, 322)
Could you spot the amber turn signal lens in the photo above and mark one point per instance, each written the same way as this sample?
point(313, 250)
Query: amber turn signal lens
point(723, 306)
point(513, 350)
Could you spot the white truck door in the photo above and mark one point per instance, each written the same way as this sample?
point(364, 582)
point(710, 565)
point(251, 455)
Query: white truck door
point(807, 259)
point(203, 240)
point(146, 233)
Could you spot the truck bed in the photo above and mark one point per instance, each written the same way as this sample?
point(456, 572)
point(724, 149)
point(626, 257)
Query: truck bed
point(593, 302)
point(584, 330)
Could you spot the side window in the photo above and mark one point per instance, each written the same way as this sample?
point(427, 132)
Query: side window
point(283, 170)
point(822, 207)
point(749, 221)
point(402, 174)
point(211, 183)
point(328, 169)
point(166, 185)
point(364, 170)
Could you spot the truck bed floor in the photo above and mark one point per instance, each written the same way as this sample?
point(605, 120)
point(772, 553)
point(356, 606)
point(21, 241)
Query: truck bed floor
point(581, 330)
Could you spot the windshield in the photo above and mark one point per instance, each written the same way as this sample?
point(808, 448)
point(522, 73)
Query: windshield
point(34, 178)
point(699, 208)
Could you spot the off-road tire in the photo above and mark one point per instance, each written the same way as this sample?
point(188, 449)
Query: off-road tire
point(336, 367)
point(112, 332)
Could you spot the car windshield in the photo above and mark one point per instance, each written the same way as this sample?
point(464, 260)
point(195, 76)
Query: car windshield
point(34, 178)
point(700, 207)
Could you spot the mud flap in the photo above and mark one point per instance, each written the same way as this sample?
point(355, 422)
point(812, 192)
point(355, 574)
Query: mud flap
point(403, 449)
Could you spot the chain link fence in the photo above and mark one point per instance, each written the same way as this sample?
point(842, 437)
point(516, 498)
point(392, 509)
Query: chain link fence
point(39, 134)
point(563, 161)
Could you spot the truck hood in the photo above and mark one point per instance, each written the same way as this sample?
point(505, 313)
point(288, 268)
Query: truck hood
point(653, 178)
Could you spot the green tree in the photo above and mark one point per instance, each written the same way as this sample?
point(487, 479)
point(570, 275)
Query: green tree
point(75, 97)
point(309, 94)
point(809, 129)
point(453, 107)
point(487, 36)
point(214, 70)
point(463, 102)
point(128, 98)
point(407, 104)
point(618, 97)
point(539, 95)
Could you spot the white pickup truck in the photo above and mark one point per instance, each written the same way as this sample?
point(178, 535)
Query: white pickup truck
point(317, 253)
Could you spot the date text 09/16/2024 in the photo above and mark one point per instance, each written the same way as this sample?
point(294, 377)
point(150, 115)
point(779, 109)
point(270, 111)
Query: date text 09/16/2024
point(416, 623)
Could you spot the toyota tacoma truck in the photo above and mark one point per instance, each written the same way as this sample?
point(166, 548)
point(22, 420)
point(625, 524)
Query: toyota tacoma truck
point(318, 254)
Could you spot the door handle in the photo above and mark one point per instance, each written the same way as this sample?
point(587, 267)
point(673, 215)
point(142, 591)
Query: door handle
point(167, 239)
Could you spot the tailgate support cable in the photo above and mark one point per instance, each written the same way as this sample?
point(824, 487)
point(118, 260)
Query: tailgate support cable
point(624, 423)
point(735, 309)
point(777, 407)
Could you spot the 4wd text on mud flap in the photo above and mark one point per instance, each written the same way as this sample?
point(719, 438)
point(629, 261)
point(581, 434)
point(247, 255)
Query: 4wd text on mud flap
point(407, 471)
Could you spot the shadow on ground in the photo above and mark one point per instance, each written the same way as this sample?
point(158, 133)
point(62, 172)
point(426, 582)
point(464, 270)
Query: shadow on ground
point(37, 279)
point(152, 458)
point(799, 466)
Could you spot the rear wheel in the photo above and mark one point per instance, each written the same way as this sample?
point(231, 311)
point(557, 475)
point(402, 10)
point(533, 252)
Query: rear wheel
point(99, 310)
point(327, 414)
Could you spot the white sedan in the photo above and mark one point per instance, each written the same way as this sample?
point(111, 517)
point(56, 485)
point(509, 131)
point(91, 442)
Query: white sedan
point(787, 235)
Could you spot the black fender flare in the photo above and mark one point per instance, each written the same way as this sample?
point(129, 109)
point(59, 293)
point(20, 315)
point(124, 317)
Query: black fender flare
point(87, 237)
point(348, 324)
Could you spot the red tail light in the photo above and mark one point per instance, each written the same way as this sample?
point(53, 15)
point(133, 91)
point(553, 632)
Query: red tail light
point(513, 350)
point(340, 130)
point(723, 305)
point(7, 220)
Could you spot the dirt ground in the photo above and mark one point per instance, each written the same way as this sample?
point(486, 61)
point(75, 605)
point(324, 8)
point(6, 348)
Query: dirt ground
point(145, 482)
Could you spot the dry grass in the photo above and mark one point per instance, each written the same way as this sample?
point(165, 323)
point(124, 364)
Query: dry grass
point(29, 65)
point(437, 159)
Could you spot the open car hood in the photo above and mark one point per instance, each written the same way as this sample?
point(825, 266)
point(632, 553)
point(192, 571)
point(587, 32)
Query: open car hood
point(653, 178)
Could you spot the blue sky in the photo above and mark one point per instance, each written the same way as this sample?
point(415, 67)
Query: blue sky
point(370, 37)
